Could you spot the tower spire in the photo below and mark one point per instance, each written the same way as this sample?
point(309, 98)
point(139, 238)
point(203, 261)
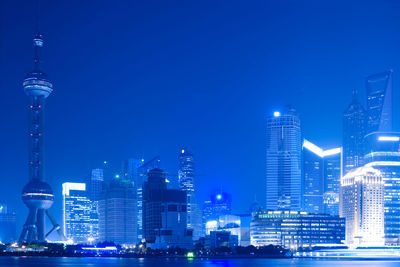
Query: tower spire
point(37, 40)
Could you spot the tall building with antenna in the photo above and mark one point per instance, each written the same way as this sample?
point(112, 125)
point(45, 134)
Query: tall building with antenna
point(186, 183)
point(37, 194)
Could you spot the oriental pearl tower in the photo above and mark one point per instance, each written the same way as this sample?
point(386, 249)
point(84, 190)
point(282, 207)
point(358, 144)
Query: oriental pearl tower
point(37, 194)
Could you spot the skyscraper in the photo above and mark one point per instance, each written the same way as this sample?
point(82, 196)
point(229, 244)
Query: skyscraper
point(313, 178)
point(362, 205)
point(117, 212)
point(321, 179)
point(354, 130)
point(332, 172)
point(379, 102)
point(283, 161)
point(37, 194)
point(164, 213)
point(95, 184)
point(142, 172)
point(79, 224)
point(186, 183)
point(383, 154)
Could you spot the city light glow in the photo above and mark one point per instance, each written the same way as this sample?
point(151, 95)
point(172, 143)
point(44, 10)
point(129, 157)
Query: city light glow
point(389, 138)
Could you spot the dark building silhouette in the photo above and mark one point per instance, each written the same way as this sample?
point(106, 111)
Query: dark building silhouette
point(164, 212)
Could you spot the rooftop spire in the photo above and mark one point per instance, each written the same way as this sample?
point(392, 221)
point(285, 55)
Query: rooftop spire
point(37, 43)
point(38, 39)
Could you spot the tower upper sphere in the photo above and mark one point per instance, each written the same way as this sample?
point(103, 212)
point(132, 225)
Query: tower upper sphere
point(36, 82)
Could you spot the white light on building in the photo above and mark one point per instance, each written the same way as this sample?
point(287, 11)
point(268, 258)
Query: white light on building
point(362, 204)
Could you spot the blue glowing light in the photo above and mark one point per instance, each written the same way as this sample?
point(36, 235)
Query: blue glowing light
point(219, 196)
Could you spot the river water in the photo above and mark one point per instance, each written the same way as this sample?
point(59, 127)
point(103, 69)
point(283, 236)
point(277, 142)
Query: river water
point(106, 262)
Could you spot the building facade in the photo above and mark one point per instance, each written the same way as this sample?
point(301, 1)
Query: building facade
point(8, 228)
point(321, 179)
point(294, 229)
point(379, 102)
point(283, 155)
point(186, 175)
point(220, 203)
point(383, 154)
point(362, 205)
point(79, 224)
point(117, 213)
point(164, 213)
point(141, 177)
point(354, 130)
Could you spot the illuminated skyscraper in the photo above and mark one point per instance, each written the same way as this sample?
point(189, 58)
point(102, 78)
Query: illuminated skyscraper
point(321, 179)
point(284, 161)
point(362, 205)
point(37, 194)
point(186, 183)
point(383, 154)
point(379, 102)
point(79, 225)
point(354, 130)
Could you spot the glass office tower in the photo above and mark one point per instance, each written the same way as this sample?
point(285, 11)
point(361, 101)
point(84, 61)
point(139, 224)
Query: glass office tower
point(354, 130)
point(186, 175)
point(383, 155)
point(379, 102)
point(321, 178)
point(78, 222)
point(283, 156)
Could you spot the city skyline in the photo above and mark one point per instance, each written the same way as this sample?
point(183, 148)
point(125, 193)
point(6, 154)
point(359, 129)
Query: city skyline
point(248, 159)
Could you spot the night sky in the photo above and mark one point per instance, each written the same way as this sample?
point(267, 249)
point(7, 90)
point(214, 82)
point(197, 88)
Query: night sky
point(146, 78)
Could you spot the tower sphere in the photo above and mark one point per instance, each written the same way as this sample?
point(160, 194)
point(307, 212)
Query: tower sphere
point(36, 82)
point(38, 194)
